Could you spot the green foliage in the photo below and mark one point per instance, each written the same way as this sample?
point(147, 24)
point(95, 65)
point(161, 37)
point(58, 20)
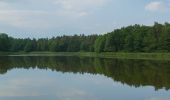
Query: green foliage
point(134, 38)
point(4, 42)
point(99, 44)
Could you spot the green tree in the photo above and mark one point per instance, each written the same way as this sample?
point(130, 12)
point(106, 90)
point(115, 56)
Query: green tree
point(100, 44)
point(4, 42)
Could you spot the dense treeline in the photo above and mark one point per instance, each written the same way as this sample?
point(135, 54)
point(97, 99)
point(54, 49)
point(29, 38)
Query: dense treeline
point(136, 38)
point(56, 44)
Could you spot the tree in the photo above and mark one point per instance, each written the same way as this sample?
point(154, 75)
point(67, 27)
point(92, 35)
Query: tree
point(134, 38)
point(4, 42)
point(100, 44)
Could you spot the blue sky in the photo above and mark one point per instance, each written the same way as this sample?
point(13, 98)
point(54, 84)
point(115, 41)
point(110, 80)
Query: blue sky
point(47, 18)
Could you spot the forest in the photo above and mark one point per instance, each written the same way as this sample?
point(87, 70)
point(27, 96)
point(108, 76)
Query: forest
point(134, 38)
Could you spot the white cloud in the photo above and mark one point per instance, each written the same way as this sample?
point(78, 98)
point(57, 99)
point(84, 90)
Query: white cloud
point(155, 6)
point(79, 8)
point(11, 16)
point(80, 4)
point(33, 16)
point(83, 14)
point(22, 18)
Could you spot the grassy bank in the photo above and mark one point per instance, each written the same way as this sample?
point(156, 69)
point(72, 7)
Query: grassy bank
point(153, 56)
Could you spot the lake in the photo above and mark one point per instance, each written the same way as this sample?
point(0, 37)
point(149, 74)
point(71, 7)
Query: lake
point(83, 78)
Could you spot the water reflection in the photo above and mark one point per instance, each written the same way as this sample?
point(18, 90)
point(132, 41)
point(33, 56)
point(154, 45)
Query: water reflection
point(134, 73)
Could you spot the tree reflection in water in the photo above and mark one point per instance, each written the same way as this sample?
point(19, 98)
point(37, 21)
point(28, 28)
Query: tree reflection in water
point(131, 72)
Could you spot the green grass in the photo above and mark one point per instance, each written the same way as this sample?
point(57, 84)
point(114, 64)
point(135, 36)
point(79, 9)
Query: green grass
point(120, 55)
point(155, 56)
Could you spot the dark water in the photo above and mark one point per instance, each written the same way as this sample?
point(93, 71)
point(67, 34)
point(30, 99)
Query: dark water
point(74, 78)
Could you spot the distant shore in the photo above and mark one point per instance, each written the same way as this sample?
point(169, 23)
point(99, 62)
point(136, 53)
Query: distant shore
point(120, 55)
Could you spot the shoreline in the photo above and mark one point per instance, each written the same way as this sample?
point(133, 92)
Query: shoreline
point(119, 55)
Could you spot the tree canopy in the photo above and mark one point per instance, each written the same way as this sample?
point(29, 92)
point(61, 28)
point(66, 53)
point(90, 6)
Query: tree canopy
point(134, 38)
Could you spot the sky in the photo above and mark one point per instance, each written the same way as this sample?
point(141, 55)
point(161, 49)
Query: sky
point(47, 18)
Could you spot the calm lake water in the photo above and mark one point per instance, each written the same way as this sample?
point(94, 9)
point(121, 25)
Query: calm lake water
point(74, 78)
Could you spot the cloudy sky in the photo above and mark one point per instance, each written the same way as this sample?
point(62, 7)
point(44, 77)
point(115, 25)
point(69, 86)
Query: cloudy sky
point(47, 18)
